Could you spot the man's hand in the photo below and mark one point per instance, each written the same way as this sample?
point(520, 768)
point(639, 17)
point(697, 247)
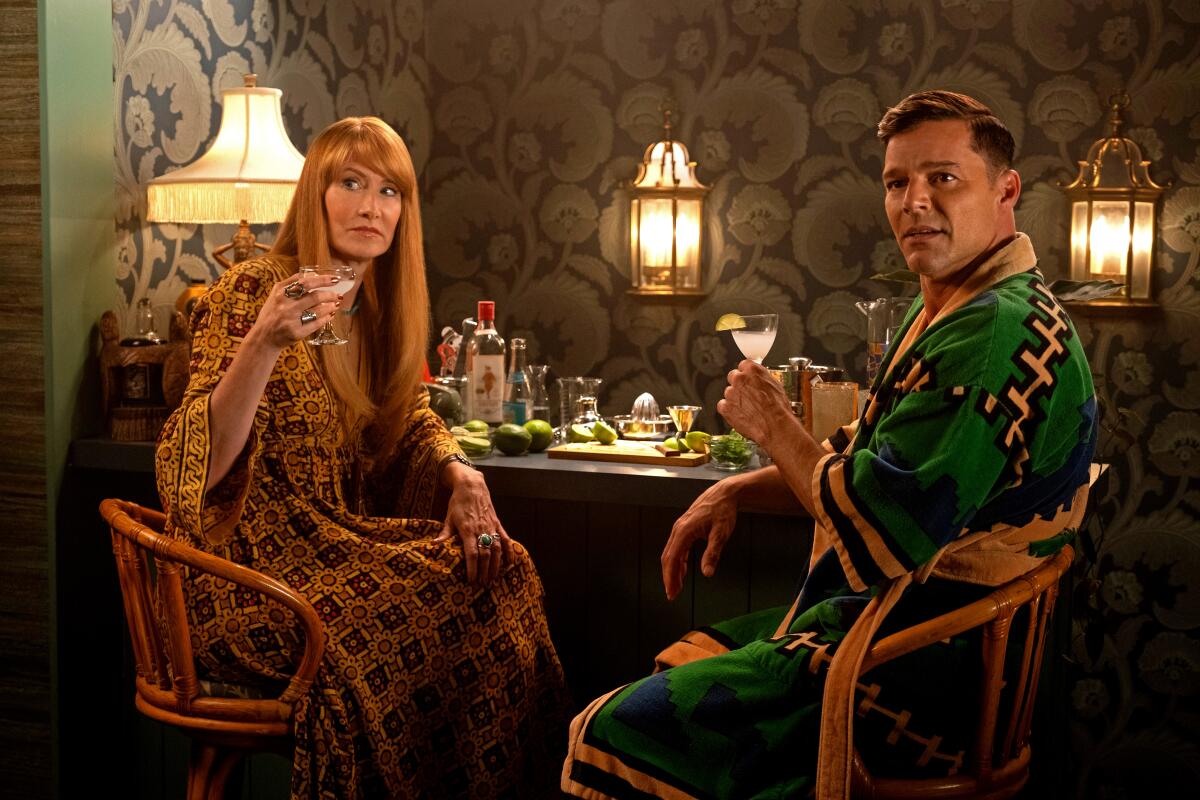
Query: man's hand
point(755, 403)
point(711, 517)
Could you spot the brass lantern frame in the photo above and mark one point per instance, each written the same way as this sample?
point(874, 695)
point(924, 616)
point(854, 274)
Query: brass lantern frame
point(1116, 173)
point(670, 175)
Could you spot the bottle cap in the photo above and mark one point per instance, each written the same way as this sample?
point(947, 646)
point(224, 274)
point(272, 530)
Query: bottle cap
point(487, 310)
point(516, 342)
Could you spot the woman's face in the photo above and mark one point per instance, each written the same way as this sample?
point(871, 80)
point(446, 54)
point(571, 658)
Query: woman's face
point(363, 208)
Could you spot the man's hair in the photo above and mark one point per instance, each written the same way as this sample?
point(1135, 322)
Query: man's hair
point(989, 138)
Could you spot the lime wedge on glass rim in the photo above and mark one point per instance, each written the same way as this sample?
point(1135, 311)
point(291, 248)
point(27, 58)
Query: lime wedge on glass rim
point(730, 322)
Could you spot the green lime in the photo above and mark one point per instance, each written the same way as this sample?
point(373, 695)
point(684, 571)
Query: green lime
point(671, 443)
point(474, 446)
point(542, 434)
point(477, 426)
point(511, 439)
point(730, 322)
point(603, 432)
point(580, 433)
point(697, 441)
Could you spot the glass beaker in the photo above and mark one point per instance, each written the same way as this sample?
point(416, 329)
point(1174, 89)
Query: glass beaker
point(585, 403)
point(884, 316)
point(541, 397)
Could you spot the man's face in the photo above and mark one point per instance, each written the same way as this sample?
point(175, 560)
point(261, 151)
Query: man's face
point(943, 207)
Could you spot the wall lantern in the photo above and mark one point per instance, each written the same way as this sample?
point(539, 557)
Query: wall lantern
point(665, 221)
point(1113, 212)
point(248, 174)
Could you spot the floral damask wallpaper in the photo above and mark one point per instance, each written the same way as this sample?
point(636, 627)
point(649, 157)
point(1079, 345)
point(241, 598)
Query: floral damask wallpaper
point(527, 119)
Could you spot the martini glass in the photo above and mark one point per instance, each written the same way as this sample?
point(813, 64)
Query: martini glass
point(683, 417)
point(345, 276)
point(756, 338)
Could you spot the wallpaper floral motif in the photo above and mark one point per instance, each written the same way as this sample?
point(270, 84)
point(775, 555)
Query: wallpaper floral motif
point(527, 119)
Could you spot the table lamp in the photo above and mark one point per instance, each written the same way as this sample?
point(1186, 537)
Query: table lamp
point(247, 176)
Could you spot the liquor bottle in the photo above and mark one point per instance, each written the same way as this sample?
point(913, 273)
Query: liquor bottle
point(485, 367)
point(146, 335)
point(518, 388)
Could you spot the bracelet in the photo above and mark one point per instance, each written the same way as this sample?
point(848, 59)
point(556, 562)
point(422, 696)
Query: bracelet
point(466, 462)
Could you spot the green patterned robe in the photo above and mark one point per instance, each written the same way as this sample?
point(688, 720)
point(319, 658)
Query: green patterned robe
point(979, 434)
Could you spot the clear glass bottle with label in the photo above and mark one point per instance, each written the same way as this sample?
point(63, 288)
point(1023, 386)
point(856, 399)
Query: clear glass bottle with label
point(485, 367)
point(518, 386)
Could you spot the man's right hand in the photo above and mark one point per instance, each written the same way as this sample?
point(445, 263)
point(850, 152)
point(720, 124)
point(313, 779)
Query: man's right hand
point(711, 517)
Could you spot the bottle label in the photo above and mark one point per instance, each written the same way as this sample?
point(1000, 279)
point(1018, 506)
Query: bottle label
point(487, 388)
point(516, 411)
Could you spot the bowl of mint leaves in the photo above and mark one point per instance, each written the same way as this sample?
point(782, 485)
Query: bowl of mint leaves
point(731, 452)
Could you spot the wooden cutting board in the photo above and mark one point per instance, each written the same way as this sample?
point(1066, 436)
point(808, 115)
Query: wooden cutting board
point(629, 452)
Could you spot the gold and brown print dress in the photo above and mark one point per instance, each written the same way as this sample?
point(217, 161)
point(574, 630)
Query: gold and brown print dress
point(429, 687)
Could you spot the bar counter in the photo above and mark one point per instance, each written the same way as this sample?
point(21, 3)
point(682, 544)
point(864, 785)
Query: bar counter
point(594, 529)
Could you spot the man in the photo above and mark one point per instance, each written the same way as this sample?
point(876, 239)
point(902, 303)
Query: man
point(972, 454)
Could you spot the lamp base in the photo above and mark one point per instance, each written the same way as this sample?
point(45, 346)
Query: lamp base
point(243, 246)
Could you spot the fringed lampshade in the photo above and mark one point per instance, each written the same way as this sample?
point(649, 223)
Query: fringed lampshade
point(247, 176)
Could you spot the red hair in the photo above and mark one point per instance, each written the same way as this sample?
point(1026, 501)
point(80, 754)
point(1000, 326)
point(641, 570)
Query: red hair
point(393, 316)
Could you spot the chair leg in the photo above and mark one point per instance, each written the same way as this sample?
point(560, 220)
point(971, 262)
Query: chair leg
point(200, 770)
point(226, 761)
point(209, 770)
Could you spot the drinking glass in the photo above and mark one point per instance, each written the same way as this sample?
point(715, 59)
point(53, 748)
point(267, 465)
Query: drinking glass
point(756, 338)
point(345, 276)
point(683, 417)
point(834, 404)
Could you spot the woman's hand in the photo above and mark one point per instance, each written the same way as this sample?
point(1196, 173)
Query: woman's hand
point(469, 515)
point(755, 403)
point(281, 322)
point(711, 517)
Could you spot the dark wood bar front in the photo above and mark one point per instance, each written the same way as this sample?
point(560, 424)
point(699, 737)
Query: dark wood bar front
point(595, 530)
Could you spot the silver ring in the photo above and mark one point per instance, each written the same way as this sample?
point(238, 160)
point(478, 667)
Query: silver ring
point(294, 290)
point(307, 316)
point(485, 540)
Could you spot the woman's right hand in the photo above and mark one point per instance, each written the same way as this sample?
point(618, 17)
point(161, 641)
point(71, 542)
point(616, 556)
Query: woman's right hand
point(280, 321)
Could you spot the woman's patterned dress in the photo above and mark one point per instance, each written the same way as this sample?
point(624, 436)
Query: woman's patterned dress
point(429, 686)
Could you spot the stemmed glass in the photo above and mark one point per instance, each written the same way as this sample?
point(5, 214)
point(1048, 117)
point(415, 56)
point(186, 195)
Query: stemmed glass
point(683, 417)
point(757, 335)
point(345, 283)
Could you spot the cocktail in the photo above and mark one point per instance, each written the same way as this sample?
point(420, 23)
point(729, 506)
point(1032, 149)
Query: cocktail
point(345, 282)
point(752, 333)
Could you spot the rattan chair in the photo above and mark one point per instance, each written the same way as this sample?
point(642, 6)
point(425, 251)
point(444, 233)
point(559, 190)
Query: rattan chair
point(222, 729)
point(997, 763)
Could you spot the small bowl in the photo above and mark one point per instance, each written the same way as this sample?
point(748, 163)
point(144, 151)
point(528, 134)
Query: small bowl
point(731, 466)
point(630, 428)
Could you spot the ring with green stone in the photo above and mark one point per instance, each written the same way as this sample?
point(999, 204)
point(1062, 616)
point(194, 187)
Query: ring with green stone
point(486, 540)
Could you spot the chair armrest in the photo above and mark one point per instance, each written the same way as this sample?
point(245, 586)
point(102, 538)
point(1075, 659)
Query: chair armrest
point(1003, 601)
point(178, 552)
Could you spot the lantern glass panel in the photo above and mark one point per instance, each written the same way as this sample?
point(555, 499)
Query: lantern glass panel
point(1079, 231)
point(1143, 245)
point(654, 231)
point(1109, 239)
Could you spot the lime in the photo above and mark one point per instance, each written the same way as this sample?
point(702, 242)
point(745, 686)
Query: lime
point(474, 446)
point(477, 426)
point(603, 432)
point(730, 322)
point(671, 443)
point(580, 433)
point(542, 434)
point(697, 441)
point(511, 439)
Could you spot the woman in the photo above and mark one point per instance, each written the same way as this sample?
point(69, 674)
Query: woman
point(318, 466)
